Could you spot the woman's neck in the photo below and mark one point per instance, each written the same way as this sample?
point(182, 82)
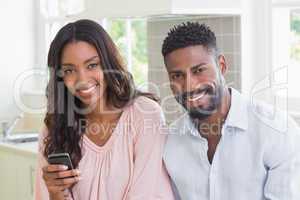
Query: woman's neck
point(103, 113)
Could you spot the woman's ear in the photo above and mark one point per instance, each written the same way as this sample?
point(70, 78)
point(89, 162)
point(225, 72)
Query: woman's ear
point(222, 64)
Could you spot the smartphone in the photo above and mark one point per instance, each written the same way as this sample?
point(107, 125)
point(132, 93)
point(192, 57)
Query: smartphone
point(60, 159)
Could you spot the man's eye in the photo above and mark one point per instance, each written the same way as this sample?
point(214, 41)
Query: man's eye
point(176, 76)
point(199, 70)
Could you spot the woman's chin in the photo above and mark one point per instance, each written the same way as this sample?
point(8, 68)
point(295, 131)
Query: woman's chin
point(90, 103)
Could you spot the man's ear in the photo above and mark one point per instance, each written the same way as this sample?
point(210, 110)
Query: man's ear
point(222, 64)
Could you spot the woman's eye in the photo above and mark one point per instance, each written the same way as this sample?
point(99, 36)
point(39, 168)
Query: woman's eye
point(67, 72)
point(92, 65)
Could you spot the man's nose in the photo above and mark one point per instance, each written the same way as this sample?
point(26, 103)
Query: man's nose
point(191, 83)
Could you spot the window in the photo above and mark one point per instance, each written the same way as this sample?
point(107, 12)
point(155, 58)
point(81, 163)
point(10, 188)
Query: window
point(295, 42)
point(286, 53)
point(130, 36)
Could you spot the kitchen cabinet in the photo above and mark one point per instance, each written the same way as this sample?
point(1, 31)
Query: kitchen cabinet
point(17, 171)
point(7, 176)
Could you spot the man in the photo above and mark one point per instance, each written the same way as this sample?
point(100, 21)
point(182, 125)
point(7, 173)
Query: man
point(225, 147)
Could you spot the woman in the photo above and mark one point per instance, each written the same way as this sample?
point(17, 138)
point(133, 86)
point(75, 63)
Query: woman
point(112, 132)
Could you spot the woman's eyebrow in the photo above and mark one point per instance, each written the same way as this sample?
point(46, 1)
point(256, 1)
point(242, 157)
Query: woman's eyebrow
point(67, 65)
point(90, 59)
point(72, 65)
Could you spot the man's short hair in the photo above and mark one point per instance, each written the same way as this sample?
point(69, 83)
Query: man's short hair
point(189, 34)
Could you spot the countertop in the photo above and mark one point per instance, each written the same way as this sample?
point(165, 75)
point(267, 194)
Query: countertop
point(27, 148)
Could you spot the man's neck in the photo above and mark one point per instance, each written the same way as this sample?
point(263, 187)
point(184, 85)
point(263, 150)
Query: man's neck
point(211, 127)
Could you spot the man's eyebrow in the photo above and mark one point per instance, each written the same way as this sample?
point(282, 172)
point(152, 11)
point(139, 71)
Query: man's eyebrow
point(175, 71)
point(191, 68)
point(196, 66)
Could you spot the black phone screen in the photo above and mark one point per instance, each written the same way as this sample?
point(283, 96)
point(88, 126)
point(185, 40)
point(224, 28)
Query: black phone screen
point(60, 159)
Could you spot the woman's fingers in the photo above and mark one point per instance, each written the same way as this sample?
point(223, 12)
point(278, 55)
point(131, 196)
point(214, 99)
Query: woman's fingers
point(58, 178)
point(65, 181)
point(54, 168)
point(63, 174)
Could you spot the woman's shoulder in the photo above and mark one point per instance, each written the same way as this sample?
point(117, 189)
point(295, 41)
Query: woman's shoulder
point(147, 116)
point(145, 105)
point(147, 110)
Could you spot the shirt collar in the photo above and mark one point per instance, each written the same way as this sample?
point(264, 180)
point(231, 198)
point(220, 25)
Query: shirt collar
point(237, 116)
point(238, 113)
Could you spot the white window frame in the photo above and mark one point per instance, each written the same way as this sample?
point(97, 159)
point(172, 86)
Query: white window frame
point(281, 47)
point(128, 41)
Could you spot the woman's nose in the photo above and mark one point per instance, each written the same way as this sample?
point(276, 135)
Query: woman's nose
point(81, 75)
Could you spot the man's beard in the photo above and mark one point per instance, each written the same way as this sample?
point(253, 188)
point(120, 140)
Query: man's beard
point(215, 93)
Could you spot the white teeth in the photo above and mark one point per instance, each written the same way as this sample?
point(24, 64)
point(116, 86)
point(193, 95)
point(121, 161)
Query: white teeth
point(88, 90)
point(197, 97)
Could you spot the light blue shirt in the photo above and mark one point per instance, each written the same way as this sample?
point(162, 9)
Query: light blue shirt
point(257, 157)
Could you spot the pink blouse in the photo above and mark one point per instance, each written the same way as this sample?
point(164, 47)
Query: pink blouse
point(128, 167)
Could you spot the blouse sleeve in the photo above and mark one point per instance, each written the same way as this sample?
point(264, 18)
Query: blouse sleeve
point(150, 179)
point(40, 192)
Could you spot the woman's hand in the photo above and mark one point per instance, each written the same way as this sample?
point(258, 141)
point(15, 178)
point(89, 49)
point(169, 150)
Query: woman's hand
point(58, 179)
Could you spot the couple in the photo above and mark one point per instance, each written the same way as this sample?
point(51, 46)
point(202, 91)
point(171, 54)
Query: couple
point(116, 135)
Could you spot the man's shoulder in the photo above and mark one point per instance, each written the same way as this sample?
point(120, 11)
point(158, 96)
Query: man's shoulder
point(271, 118)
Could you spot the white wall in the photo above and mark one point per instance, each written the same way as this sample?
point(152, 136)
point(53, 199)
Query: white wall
point(98, 9)
point(287, 3)
point(256, 43)
point(17, 39)
point(206, 7)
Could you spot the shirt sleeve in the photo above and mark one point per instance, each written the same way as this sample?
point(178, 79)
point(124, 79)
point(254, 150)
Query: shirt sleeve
point(150, 179)
point(283, 162)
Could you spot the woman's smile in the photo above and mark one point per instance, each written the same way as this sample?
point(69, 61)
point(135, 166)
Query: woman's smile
point(87, 91)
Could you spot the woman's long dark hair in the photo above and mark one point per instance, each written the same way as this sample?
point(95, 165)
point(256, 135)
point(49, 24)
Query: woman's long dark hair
point(62, 121)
